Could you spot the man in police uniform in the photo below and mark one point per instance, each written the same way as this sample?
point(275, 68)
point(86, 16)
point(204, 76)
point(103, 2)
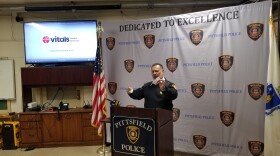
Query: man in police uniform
point(158, 93)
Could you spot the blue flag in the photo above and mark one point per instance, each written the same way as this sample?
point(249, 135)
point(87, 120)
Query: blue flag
point(272, 99)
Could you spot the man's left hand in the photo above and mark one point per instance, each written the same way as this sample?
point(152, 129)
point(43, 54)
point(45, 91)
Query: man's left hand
point(161, 84)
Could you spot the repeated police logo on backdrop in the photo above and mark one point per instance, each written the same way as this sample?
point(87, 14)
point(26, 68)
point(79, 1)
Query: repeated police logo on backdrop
point(256, 90)
point(199, 141)
point(196, 36)
point(176, 114)
point(226, 62)
point(172, 64)
point(129, 65)
point(227, 117)
point(198, 89)
point(110, 42)
point(256, 147)
point(149, 40)
point(255, 30)
point(112, 86)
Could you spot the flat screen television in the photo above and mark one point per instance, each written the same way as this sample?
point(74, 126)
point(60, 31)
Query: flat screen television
point(60, 42)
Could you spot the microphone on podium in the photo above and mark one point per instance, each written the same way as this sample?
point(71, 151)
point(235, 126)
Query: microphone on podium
point(114, 102)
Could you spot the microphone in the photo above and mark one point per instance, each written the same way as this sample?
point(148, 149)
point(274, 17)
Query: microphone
point(114, 102)
point(117, 103)
point(157, 80)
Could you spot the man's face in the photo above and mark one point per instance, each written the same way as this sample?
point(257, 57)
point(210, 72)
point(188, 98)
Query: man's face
point(157, 71)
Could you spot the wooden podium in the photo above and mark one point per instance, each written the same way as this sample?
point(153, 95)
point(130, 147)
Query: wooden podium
point(141, 131)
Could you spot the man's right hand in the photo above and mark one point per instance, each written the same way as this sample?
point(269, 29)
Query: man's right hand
point(129, 90)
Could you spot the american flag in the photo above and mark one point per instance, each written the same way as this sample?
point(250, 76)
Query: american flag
point(98, 88)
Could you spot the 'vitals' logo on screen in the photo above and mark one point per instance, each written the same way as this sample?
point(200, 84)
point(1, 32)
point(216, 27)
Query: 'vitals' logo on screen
point(46, 39)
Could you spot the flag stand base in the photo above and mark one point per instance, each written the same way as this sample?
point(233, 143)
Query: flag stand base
point(104, 149)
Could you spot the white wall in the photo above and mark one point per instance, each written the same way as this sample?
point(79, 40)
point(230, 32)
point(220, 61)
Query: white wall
point(12, 46)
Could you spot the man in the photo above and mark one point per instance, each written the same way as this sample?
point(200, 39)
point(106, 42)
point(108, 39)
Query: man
point(158, 93)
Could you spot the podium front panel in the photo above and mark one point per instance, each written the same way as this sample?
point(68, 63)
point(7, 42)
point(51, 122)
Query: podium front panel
point(134, 136)
point(158, 141)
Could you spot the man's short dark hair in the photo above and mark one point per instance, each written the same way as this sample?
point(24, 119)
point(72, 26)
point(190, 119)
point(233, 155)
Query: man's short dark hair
point(158, 64)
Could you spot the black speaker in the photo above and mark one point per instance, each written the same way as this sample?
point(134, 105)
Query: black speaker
point(19, 19)
point(10, 135)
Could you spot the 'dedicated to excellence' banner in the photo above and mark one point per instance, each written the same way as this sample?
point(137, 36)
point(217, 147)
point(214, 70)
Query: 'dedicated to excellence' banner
point(218, 61)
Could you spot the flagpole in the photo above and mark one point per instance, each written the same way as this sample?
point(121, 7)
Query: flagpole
point(103, 149)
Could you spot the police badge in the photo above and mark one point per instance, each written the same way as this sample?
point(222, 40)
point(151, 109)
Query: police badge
point(255, 30)
point(198, 89)
point(149, 40)
point(199, 141)
point(226, 62)
point(132, 133)
point(255, 90)
point(129, 65)
point(196, 36)
point(110, 42)
point(227, 117)
point(176, 114)
point(256, 147)
point(172, 64)
point(112, 86)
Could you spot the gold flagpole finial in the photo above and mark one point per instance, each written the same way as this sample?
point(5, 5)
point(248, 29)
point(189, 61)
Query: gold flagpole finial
point(99, 27)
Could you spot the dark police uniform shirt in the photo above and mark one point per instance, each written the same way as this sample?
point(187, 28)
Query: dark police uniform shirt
point(154, 97)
